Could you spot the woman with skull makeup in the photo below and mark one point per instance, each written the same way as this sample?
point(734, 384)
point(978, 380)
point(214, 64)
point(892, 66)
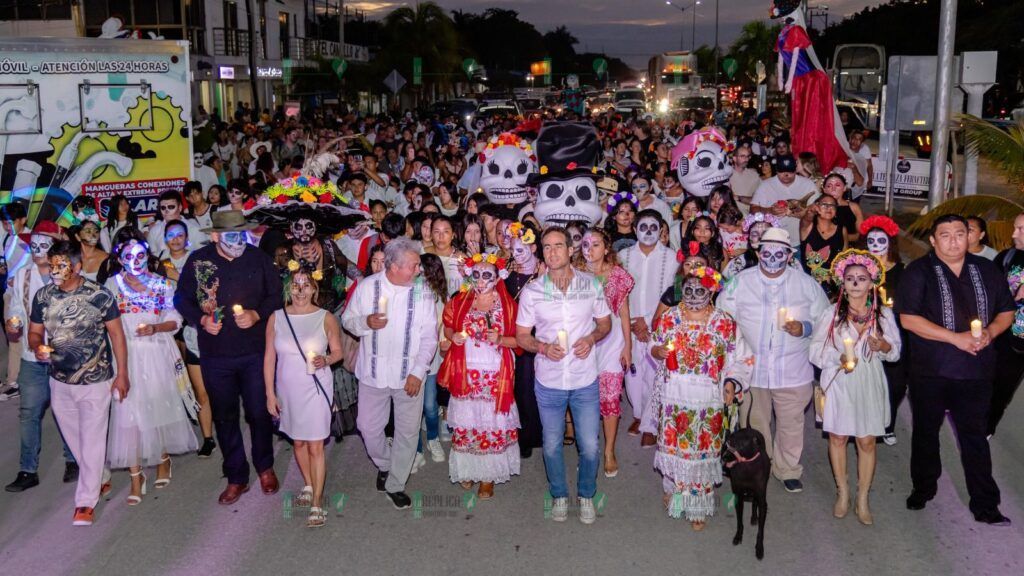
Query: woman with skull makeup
point(152, 422)
point(881, 240)
point(614, 352)
point(856, 396)
point(88, 236)
point(238, 192)
point(704, 365)
point(694, 256)
point(479, 371)
point(309, 249)
point(643, 190)
point(754, 226)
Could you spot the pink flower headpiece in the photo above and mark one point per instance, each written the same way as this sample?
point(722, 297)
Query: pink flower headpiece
point(506, 139)
point(752, 219)
point(855, 257)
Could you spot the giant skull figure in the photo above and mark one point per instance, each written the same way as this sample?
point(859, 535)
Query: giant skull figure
point(506, 162)
point(701, 161)
point(567, 153)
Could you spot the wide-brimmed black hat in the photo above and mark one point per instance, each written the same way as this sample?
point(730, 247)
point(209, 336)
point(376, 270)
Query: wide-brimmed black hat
point(329, 218)
point(566, 150)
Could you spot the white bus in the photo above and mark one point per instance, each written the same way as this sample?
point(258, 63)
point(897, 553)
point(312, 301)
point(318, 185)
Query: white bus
point(858, 74)
point(673, 76)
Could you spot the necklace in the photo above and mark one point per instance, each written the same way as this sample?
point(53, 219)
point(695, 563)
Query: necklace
point(859, 318)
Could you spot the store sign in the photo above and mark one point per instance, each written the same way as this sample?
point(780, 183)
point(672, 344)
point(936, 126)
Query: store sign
point(269, 72)
point(912, 179)
point(227, 72)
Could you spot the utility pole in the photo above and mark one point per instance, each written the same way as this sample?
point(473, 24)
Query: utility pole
point(943, 89)
point(716, 45)
point(250, 21)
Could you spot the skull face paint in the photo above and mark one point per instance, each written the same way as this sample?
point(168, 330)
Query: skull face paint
point(303, 230)
point(61, 269)
point(424, 175)
point(232, 243)
point(133, 258)
point(856, 281)
point(523, 256)
point(562, 201)
point(90, 233)
point(301, 289)
point(648, 231)
point(878, 243)
point(773, 257)
point(755, 232)
point(40, 245)
point(484, 276)
point(695, 295)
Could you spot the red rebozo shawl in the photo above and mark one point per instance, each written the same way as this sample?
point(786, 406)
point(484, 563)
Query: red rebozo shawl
point(453, 374)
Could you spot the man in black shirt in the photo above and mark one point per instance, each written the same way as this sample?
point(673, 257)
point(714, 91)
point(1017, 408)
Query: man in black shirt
point(1010, 346)
point(953, 304)
point(227, 291)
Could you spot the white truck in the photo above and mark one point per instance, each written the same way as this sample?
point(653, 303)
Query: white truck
point(93, 116)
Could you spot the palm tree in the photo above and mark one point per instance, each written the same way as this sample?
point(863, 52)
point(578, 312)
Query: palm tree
point(755, 42)
point(425, 31)
point(1005, 149)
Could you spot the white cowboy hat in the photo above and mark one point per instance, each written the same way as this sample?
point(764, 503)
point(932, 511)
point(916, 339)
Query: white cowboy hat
point(256, 146)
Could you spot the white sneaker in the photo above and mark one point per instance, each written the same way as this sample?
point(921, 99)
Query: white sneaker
point(418, 463)
point(436, 451)
point(10, 392)
point(889, 439)
point(560, 509)
point(587, 512)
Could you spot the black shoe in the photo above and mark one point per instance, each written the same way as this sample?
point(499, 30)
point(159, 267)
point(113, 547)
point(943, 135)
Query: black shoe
point(793, 485)
point(24, 481)
point(382, 478)
point(525, 451)
point(992, 518)
point(918, 500)
point(207, 448)
point(400, 500)
point(70, 472)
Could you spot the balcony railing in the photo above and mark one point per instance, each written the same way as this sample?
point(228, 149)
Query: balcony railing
point(232, 42)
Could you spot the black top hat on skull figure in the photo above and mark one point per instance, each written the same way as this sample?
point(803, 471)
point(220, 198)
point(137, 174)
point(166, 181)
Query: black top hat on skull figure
point(566, 150)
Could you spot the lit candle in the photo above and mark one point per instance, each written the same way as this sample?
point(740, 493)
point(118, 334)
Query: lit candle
point(237, 309)
point(976, 328)
point(888, 302)
point(310, 366)
point(670, 346)
point(782, 317)
point(464, 335)
point(563, 339)
point(382, 305)
point(789, 319)
point(15, 321)
point(45, 350)
point(140, 327)
point(850, 357)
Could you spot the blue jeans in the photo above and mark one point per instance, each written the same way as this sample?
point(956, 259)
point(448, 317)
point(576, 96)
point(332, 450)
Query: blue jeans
point(34, 383)
point(430, 410)
point(584, 403)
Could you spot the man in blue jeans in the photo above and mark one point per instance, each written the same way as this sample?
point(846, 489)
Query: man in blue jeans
point(33, 376)
point(568, 310)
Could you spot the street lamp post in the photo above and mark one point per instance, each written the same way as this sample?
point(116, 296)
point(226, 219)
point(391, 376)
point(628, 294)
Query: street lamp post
point(693, 25)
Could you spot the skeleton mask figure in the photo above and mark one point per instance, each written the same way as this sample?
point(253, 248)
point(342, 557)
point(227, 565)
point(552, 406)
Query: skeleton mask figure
point(484, 276)
point(525, 259)
point(754, 235)
point(303, 230)
point(40, 244)
point(701, 162)
point(572, 81)
point(576, 232)
point(562, 201)
point(648, 231)
point(695, 295)
point(506, 162)
point(773, 257)
point(134, 257)
point(232, 243)
point(424, 175)
point(61, 269)
point(878, 243)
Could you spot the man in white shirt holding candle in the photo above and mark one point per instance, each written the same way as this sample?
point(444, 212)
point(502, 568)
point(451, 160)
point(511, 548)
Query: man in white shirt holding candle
point(568, 309)
point(774, 304)
point(393, 315)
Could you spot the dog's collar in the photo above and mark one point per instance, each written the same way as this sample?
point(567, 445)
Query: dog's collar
point(739, 457)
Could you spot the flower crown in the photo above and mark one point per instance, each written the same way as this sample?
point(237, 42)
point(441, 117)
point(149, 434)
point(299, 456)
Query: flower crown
point(295, 266)
point(614, 201)
point(308, 189)
point(525, 235)
point(470, 261)
point(752, 219)
point(883, 223)
point(709, 278)
point(855, 257)
point(712, 136)
point(506, 139)
point(694, 248)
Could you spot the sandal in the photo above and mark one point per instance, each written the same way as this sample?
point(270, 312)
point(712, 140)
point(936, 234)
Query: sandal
point(570, 434)
point(317, 517)
point(305, 497)
point(486, 491)
point(611, 469)
point(134, 500)
point(163, 482)
point(697, 525)
point(466, 484)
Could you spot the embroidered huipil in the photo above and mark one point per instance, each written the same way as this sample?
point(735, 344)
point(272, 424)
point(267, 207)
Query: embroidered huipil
point(406, 345)
point(754, 301)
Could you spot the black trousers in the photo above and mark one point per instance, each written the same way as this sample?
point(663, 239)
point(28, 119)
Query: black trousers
point(227, 379)
point(1009, 370)
point(530, 433)
point(968, 404)
point(896, 378)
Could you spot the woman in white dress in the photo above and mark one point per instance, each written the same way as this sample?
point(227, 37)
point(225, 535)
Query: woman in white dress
point(152, 422)
point(297, 374)
point(849, 344)
point(93, 256)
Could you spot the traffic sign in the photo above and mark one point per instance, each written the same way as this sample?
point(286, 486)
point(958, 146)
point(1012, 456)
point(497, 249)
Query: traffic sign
point(394, 81)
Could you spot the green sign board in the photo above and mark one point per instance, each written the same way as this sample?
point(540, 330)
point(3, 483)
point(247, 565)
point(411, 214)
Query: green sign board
point(417, 71)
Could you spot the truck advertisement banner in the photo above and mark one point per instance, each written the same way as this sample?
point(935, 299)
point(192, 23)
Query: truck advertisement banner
point(100, 117)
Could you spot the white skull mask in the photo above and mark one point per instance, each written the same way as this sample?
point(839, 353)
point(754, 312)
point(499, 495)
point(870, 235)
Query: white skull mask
point(648, 231)
point(703, 163)
point(424, 175)
point(695, 295)
point(303, 230)
point(878, 243)
point(572, 81)
point(572, 200)
point(504, 172)
point(773, 257)
point(40, 245)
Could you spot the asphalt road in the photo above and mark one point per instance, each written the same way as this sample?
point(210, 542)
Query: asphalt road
point(182, 529)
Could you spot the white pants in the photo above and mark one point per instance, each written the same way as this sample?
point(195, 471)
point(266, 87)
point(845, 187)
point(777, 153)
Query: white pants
point(640, 385)
point(374, 409)
point(82, 413)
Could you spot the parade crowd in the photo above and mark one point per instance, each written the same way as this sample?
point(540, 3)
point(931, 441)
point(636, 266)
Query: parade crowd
point(472, 292)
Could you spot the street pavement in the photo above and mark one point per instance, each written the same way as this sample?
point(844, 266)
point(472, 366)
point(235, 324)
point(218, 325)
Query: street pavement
point(182, 530)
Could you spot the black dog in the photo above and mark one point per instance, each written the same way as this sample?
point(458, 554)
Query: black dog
point(745, 458)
